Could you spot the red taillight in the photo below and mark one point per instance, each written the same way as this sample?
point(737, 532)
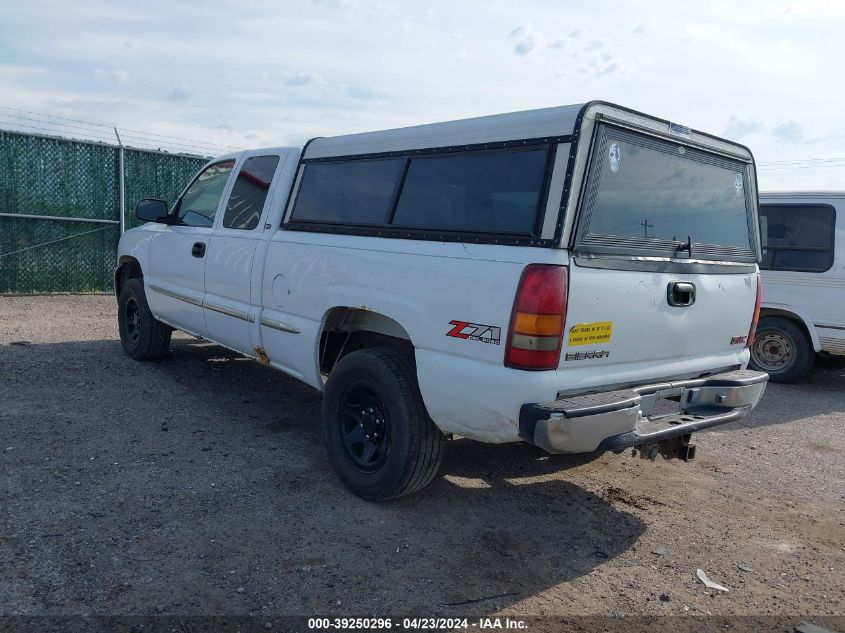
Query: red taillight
point(756, 317)
point(539, 312)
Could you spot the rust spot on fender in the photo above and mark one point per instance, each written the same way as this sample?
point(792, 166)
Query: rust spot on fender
point(262, 355)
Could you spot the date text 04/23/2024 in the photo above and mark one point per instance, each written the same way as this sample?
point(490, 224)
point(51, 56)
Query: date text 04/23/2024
point(417, 624)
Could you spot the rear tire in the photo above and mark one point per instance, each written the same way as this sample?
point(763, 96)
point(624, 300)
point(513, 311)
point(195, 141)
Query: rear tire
point(379, 438)
point(782, 349)
point(142, 336)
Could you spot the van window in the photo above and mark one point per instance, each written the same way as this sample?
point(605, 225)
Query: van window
point(797, 237)
point(649, 195)
point(348, 192)
point(493, 191)
point(243, 210)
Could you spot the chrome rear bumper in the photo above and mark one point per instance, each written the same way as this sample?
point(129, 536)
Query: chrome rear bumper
point(614, 420)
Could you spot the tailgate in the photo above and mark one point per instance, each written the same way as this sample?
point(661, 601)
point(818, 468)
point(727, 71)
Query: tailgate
point(665, 247)
point(619, 316)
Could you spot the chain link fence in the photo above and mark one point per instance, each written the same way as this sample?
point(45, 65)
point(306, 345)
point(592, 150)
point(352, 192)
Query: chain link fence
point(60, 208)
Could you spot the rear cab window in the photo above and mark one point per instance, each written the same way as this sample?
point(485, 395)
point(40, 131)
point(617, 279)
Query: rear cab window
point(243, 209)
point(650, 196)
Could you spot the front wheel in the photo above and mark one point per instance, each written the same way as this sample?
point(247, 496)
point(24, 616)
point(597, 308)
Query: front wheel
point(782, 349)
point(143, 337)
point(379, 438)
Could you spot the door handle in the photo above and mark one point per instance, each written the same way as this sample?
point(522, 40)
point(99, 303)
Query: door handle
point(198, 249)
point(680, 294)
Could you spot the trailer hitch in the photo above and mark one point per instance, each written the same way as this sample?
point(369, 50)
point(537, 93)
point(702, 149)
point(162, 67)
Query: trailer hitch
point(673, 448)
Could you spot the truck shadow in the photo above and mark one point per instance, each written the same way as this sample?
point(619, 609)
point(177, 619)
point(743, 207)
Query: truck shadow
point(520, 527)
point(200, 484)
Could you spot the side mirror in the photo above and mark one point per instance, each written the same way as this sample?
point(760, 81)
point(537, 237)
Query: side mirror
point(151, 210)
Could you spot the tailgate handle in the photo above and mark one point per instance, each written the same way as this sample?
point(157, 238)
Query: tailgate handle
point(680, 294)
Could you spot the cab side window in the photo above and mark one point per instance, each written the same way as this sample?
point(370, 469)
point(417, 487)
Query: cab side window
point(797, 237)
point(198, 205)
point(243, 210)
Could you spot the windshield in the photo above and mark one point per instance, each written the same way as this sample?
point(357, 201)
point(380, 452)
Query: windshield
point(645, 193)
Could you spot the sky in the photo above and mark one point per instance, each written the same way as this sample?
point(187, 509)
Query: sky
point(239, 73)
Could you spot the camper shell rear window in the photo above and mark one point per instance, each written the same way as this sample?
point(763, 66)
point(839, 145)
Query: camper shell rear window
point(491, 194)
point(650, 196)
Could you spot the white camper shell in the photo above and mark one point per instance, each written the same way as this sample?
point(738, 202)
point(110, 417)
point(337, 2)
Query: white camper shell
point(543, 276)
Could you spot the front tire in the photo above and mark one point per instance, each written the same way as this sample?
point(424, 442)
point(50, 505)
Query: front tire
point(782, 349)
point(379, 438)
point(142, 336)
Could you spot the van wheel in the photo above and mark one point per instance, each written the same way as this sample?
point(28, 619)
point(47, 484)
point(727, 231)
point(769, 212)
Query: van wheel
point(142, 336)
point(782, 349)
point(380, 440)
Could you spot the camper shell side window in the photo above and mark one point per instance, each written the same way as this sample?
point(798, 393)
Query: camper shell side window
point(495, 193)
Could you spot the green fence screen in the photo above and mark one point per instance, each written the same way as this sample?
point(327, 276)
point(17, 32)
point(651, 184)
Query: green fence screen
point(60, 208)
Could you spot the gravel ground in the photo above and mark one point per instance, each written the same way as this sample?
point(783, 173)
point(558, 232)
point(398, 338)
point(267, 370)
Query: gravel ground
point(199, 485)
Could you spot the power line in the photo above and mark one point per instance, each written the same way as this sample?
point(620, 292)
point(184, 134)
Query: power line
point(804, 160)
point(109, 127)
point(46, 127)
point(193, 142)
point(50, 123)
point(791, 167)
point(135, 142)
point(33, 127)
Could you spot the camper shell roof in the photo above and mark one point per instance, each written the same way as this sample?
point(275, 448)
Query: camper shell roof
point(561, 123)
point(530, 124)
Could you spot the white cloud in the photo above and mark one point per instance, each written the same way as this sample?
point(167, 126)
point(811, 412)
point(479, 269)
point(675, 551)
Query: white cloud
point(241, 71)
point(789, 132)
point(525, 39)
point(118, 75)
point(300, 79)
point(609, 69)
point(180, 93)
point(738, 128)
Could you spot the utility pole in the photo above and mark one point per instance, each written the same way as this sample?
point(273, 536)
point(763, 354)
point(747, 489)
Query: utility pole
point(646, 226)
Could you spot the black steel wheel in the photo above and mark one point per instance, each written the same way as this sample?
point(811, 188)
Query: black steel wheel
point(379, 438)
point(364, 427)
point(132, 321)
point(142, 336)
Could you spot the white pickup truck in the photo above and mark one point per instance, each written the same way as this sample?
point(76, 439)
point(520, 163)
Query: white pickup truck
point(547, 276)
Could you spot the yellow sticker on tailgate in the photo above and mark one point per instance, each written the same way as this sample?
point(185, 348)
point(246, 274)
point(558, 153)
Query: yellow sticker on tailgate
point(590, 333)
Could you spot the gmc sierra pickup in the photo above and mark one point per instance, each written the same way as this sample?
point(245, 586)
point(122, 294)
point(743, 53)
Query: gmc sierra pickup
point(547, 276)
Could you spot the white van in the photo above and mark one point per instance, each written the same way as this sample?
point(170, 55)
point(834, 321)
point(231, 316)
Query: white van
point(543, 276)
point(803, 271)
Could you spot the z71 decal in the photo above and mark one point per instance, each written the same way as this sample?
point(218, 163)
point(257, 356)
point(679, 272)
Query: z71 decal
point(475, 332)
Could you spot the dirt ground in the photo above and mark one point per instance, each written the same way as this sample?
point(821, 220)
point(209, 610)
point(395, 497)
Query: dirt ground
point(199, 485)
